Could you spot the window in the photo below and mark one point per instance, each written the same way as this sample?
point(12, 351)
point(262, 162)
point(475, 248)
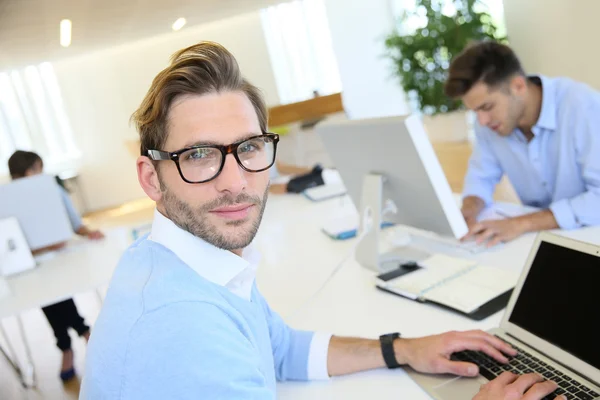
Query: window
point(32, 117)
point(300, 49)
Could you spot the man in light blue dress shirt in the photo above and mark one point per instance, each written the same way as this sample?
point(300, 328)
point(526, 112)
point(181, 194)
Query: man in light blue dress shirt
point(543, 133)
point(183, 317)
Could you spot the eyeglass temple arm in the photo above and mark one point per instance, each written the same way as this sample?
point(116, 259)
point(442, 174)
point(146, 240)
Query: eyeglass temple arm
point(158, 155)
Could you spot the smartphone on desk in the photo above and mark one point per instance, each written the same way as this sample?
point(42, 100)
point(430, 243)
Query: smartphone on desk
point(403, 269)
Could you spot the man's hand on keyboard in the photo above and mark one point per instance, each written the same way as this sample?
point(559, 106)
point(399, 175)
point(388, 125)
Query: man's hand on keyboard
point(509, 386)
point(471, 208)
point(431, 354)
point(496, 231)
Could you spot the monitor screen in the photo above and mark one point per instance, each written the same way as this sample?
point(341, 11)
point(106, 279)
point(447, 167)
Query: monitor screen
point(559, 301)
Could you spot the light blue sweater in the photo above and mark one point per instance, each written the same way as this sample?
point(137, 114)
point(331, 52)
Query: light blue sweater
point(165, 332)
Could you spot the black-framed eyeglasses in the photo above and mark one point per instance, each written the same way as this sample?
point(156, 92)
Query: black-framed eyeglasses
point(202, 163)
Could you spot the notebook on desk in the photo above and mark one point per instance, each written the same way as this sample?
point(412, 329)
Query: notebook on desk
point(464, 286)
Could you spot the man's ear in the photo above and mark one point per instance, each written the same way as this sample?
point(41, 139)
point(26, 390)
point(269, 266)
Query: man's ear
point(148, 178)
point(518, 85)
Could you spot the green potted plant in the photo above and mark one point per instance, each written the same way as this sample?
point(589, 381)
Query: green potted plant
point(421, 57)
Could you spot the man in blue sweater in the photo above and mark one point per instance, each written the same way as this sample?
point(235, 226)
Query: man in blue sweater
point(183, 318)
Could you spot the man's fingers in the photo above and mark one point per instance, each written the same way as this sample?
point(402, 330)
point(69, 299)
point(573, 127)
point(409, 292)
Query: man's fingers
point(459, 368)
point(476, 344)
point(524, 382)
point(495, 241)
point(492, 351)
point(484, 236)
point(505, 378)
point(493, 340)
point(473, 231)
point(540, 390)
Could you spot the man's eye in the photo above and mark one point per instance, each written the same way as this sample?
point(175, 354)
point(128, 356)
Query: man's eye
point(247, 147)
point(252, 146)
point(199, 154)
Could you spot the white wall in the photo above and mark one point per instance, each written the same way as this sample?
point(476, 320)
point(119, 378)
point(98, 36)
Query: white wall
point(556, 37)
point(101, 90)
point(358, 29)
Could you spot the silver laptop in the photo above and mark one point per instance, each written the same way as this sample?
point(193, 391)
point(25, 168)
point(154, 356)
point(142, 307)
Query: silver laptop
point(552, 319)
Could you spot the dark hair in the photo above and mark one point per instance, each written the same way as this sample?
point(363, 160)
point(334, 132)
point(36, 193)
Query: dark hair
point(489, 62)
point(21, 161)
point(203, 68)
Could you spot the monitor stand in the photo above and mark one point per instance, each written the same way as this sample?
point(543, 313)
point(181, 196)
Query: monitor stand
point(383, 250)
point(374, 251)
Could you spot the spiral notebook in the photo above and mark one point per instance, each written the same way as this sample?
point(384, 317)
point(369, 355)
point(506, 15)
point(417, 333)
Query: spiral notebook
point(462, 285)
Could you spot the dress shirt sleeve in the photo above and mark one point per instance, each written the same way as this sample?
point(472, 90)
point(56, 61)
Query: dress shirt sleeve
point(484, 170)
point(583, 209)
point(317, 356)
point(71, 211)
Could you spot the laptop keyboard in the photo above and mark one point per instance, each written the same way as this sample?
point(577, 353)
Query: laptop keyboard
point(525, 363)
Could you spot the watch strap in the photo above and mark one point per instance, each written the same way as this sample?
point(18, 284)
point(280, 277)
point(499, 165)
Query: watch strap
point(387, 349)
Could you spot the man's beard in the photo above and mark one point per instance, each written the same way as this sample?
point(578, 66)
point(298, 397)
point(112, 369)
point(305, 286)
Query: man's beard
point(516, 112)
point(193, 219)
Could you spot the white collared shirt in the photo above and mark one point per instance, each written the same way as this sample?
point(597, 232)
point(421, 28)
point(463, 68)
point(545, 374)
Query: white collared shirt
point(235, 273)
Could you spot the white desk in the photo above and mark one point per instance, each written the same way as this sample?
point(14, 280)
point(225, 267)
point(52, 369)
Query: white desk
point(82, 266)
point(297, 258)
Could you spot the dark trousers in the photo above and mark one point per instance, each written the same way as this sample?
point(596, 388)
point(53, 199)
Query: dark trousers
point(61, 317)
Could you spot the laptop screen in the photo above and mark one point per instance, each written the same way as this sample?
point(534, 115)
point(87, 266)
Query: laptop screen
point(560, 301)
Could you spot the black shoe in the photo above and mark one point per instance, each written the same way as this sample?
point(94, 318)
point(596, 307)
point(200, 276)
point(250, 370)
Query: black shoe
point(67, 375)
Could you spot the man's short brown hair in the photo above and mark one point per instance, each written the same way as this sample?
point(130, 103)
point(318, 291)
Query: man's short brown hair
point(203, 68)
point(489, 62)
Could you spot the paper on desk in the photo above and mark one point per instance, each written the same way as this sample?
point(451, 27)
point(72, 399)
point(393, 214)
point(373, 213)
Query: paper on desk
point(474, 288)
point(4, 288)
point(442, 261)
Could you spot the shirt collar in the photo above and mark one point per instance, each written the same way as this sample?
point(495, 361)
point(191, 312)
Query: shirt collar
point(547, 118)
point(216, 265)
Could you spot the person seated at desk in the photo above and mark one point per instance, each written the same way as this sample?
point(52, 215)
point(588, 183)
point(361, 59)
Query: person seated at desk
point(543, 133)
point(183, 317)
point(63, 315)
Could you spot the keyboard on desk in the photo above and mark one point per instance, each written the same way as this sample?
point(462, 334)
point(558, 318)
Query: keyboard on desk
point(525, 363)
point(472, 246)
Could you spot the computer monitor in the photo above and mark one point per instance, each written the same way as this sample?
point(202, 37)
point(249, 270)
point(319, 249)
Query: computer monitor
point(38, 205)
point(398, 150)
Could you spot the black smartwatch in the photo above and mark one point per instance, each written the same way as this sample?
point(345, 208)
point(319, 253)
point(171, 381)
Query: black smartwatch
point(387, 349)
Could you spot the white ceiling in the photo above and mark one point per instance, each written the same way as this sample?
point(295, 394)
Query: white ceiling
point(29, 29)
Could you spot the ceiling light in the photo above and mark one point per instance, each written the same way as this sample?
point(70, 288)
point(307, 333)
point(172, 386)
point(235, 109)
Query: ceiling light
point(65, 32)
point(177, 25)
